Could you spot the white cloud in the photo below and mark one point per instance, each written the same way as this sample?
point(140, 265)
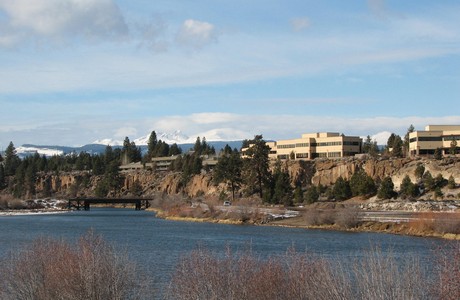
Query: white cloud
point(299, 24)
point(196, 34)
point(60, 20)
point(125, 132)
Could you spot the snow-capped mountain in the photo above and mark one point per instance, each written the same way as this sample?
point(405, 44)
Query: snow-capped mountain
point(170, 138)
point(110, 142)
point(26, 150)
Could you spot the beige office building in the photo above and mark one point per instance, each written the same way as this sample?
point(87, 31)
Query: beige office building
point(314, 145)
point(433, 137)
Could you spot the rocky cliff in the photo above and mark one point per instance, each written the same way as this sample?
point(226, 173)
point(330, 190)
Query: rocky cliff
point(316, 172)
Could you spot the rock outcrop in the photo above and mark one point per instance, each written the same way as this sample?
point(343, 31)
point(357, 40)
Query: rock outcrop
point(324, 172)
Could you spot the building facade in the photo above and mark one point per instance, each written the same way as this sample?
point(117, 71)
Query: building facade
point(315, 145)
point(433, 137)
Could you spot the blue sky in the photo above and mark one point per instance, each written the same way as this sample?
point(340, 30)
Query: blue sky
point(74, 71)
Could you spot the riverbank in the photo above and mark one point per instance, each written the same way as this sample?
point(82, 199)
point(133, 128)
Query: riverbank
point(401, 228)
point(422, 227)
point(26, 212)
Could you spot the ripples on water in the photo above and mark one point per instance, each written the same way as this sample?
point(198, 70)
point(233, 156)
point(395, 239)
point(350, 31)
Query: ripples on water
point(157, 244)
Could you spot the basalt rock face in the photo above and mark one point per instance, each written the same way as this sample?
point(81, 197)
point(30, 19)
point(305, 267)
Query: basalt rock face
point(328, 171)
point(324, 172)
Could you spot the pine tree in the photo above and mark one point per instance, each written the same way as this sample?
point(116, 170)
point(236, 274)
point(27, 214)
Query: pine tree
point(406, 140)
point(341, 189)
point(282, 191)
point(312, 194)
point(152, 143)
point(228, 168)
point(2, 177)
point(362, 184)
point(12, 161)
point(394, 145)
point(428, 181)
point(407, 188)
point(453, 147)
point(438, 154)
point(419, 171)
point(451, 182)
point(256, 166)
point(386, 190)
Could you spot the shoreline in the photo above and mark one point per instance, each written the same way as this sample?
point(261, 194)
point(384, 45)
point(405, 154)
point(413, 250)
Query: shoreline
point(367, 226)
point(31, 212)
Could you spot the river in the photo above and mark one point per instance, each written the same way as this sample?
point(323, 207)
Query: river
point(157, 244)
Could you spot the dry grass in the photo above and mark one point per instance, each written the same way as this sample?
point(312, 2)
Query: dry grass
point(342, 217)
point(206, 275)
point(436, 222)
point(52, 269)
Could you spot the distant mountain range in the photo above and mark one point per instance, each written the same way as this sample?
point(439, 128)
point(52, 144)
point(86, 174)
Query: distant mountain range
point(28, 149)
point(216, 138)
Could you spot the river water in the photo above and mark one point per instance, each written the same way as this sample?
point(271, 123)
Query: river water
point(157, 244)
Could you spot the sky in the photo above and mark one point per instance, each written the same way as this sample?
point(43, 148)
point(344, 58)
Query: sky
point(75, 71)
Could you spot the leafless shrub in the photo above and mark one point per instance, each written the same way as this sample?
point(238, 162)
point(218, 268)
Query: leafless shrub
point(206, 275)
point(315, 217)
point(447, 284)
point(3, 204)
point(347, 217)
point(447, 223)
point(17, 204)
point(51, 269)
point(383, 276)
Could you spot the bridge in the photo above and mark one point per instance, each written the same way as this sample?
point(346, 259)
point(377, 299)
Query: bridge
point(85, 203)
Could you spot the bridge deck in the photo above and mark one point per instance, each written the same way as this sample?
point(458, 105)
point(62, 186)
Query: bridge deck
point(86, 202)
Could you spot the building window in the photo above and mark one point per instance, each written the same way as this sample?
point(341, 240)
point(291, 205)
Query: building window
point(300, 145)
point(451, 137)
point(285, 146)
point(302, 155)
point(413, 140)
point(334, 154)
point(429, 139)
point(283, 156)
point(349, 143)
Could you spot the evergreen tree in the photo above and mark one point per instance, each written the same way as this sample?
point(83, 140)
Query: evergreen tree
point(256, 166)
point(109, 156)
point(98, 165)
point(407, 188)
point(30, 179)
point(312, 194)
point(386, 190)
point(367, 144)
point(19, 180)
point(428, 181)
point(282, 192)
point(228, 168)
point(174, 150)
point(2, 177)
point(407, 141)
point(440, 181)
point(451, 182)
point(453, 147)
point(151, 145)
point(12, 160)
point(394, 145)
point(419, 171)
point(298, 195)
point(197, 146)
point(362, 184)
point(438, 154)
point(341, 190)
